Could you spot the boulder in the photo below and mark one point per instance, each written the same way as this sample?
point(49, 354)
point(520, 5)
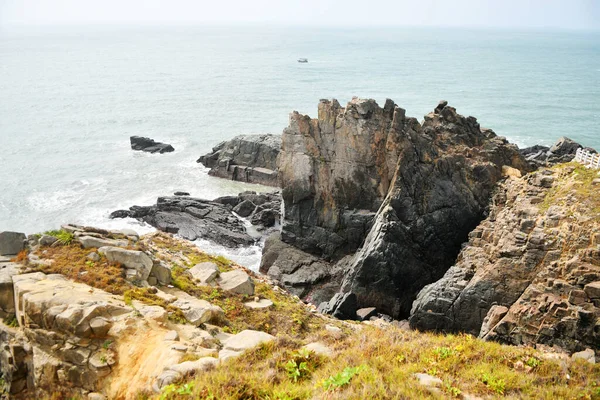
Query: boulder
point(47, 240)
point(247, 158)
point(341, 306)
point(236, 281)
point(562, 151)
point(150, 146)
point(494, 315)
point(137, 261)
point(593, 290)
point(245, 208)
point(198, 311)
point(319, 348)
point(364, 314)
point(11, 243)
point(247, 339)
point(161, 272)
point(205, 272)
point(586, 355)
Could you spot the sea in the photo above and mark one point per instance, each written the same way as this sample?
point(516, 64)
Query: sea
point(70, 98)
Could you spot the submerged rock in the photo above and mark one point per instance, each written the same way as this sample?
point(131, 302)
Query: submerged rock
point(150, 146)
point(246, 158)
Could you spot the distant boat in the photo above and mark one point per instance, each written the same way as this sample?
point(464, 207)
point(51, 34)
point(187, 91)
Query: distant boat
point(303, 60)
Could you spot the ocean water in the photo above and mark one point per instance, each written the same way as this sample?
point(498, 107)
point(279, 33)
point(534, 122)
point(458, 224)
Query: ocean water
point(71, 97)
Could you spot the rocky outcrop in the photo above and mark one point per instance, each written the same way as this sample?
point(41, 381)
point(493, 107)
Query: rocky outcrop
point(561, 152)
point(528, 272)
point(11, 243)
point(246, 158)
point(149, 146)
point(193, 218)
point(409, 194)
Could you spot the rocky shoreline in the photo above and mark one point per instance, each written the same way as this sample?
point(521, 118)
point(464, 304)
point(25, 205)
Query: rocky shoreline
point(439, 225)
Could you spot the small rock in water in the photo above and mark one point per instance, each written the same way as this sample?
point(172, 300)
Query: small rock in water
point(181, 194)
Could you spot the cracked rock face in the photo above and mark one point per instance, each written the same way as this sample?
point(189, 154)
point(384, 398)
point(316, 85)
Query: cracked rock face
point(527, 274)
point(408, 193)
point(246, 158)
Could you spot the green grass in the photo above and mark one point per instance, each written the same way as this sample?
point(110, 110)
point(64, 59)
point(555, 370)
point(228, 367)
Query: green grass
point(367, 365)
point(62, 236)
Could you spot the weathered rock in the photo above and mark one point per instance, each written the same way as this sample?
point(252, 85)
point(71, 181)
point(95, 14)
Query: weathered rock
point(245, 208)
point(137, 261)
point(562, 151)
point(52, 302)
point(11, 243)
point(205, 272)
point(181, 193)
point(7, 300)
point(150, 146)
point(494, 315)
point(587, 355)
point(300, 273)
point(236, 281)
point(192, 218)
point(428, 380)
point(172, 336)
point(593, 290)
point(319, 348)
point(364, 314)
point(341, 306)
point(523, 276)
point(247, 158)
point(369, 176)
point(259, 304)
point(198, 311)
point(247, 339)
point(47, 240)
point(93, 256)
point(91, 241)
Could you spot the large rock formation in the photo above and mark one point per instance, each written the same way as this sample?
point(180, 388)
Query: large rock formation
point(246, 158)
point(529, 271)
point(408, 193)
point(562, 151)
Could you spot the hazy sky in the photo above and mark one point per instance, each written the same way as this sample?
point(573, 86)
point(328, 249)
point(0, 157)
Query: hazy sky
point(569, 14)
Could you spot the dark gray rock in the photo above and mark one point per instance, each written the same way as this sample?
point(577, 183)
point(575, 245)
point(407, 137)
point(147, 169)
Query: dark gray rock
point(192, 218)
point(11, 243)
point(246, 158)
point(342, 306)
point(541, 156)
point(150, 146)
point(181, 194)
point(245, 208)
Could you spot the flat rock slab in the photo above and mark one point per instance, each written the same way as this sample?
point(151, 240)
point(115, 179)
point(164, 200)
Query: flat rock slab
point(205, 272)
point(259, 304)
point(91, 241)
point(130, 259)
point(247, 339)
point(54, 303)
point(236, 281)
point(11, 242)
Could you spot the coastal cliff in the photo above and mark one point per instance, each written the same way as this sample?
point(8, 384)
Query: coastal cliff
point(404, 194)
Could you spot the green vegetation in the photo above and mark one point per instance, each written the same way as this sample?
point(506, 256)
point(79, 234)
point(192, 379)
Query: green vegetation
point(62, 236)
point(11, 321)
point(372, 363)
point(146, 296)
